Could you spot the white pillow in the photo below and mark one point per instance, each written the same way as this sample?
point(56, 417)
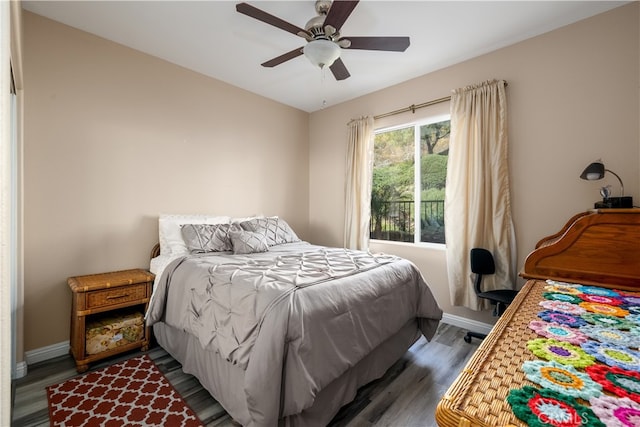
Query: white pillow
point(171, 242)
point(246, 218)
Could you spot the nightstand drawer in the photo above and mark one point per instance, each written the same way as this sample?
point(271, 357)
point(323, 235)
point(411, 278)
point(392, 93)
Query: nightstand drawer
point(119, 295)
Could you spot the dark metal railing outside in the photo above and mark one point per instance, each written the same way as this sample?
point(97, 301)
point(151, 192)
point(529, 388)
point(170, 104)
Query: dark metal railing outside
point(395, 221)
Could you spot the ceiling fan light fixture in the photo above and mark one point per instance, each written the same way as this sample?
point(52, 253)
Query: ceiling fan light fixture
point(322, 32)
point(322, 53)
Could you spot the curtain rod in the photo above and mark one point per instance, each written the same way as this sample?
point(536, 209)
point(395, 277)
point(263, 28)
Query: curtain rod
point(414, 107)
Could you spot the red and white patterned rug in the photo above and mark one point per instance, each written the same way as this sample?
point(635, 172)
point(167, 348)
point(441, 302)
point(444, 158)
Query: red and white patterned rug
point(130, 393)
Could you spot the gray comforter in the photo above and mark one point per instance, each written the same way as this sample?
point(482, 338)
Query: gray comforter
point(294, 318)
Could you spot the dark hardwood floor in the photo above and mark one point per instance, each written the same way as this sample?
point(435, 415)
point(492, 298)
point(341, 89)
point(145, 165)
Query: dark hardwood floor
point(406, 396)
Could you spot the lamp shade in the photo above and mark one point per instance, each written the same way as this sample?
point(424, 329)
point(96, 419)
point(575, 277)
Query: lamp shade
point(322, 53)
point(593, 172)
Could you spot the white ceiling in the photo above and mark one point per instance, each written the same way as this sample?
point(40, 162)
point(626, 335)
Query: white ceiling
point(211, 38)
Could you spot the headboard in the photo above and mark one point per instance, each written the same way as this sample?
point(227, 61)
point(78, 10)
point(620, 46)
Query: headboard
point(597, 247)
point(155, 251)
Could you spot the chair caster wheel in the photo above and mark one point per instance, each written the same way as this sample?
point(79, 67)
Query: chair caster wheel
point(467, 339)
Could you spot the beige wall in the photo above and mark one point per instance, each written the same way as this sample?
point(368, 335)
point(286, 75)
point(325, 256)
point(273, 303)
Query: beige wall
point(572, 98)
point(113, 138)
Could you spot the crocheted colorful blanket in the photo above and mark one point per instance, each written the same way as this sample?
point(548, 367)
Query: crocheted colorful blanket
point(588, 367)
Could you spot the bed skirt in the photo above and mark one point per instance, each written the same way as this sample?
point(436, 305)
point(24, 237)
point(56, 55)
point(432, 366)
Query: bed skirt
point(225, 382)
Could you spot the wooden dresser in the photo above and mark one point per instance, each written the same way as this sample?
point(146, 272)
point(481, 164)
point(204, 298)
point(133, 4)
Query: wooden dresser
point(100, 297)
point(598, 247)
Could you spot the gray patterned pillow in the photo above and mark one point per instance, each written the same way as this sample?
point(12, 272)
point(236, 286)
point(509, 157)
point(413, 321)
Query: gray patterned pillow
point(248, 242)
point(200, 238)
point(275, 229)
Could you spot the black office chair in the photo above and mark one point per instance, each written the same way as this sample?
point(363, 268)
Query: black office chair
point(482, 263)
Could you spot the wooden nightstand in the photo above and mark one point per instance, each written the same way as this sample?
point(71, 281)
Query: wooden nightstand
point(103, 303)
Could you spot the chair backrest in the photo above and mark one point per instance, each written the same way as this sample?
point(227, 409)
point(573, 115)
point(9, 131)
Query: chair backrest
point(481, 263)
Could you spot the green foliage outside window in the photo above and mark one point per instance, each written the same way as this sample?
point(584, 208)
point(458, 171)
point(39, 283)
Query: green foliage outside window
point(393, 187)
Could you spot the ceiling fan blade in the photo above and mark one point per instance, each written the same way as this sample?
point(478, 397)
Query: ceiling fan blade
point(263, 16)
point(339, 70)
point(283, 58)
point(339, 12)
point(394, 44)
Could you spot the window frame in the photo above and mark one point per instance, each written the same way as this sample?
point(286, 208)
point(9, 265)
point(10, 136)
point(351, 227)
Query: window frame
point(416, 124)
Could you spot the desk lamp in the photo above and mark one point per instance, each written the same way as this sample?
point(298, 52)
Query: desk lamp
point(596, 171)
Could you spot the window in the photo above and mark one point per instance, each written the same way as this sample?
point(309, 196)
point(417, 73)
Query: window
point(409, 177)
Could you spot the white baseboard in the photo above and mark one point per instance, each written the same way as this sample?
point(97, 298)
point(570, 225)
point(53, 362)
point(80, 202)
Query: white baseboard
point(21, 370)
point(468, 324)
point(45, 353)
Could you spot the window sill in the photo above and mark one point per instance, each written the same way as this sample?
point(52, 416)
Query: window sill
point(421, 245)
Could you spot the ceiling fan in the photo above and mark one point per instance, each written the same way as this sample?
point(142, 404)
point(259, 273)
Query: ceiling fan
point(322, 33)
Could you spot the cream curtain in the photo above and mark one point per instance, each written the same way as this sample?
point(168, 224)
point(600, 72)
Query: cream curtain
point(358, 184)
point(477, 199)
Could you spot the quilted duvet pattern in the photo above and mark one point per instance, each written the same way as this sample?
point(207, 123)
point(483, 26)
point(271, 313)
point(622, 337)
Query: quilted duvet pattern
point(226, 309)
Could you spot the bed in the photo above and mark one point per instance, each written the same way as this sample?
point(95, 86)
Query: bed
point(280, 331)
point(597, 251)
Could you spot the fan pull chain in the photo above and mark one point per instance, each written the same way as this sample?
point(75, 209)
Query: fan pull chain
point(323, 75)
